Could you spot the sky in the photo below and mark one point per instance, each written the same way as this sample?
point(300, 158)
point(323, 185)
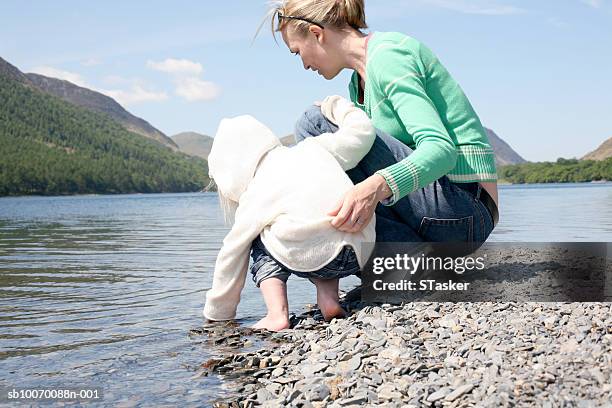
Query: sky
point(538, 72)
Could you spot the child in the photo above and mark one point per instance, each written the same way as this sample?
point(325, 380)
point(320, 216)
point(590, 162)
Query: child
point(278, 199)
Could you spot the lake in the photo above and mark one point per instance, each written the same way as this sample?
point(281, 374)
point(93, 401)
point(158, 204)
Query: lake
point(102, 291)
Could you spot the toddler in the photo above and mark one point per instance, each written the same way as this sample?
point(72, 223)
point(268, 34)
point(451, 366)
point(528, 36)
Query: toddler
point(277, 200)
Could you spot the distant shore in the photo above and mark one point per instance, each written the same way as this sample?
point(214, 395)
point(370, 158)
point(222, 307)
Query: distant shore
point(500, 183)
point(100, 194)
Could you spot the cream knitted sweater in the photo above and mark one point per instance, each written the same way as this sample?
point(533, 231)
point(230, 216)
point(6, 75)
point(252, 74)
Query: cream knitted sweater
point(284, 194)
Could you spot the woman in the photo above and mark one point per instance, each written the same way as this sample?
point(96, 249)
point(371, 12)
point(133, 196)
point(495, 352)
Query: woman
point(431, 168)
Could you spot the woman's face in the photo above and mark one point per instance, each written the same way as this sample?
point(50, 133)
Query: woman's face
point(312, 50)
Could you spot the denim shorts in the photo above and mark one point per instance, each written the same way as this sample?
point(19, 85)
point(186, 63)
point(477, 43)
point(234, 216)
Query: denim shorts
point(265, 266)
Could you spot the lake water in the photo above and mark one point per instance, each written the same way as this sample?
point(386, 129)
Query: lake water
point(102, 290)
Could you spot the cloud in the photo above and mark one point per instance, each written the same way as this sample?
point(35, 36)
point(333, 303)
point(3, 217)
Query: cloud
point(186, 77)
point(482, 7)
point(136, 94)
point(194, 89)
point(130, 91)
point(176, 66)
point(61, 74)
point(593, 3)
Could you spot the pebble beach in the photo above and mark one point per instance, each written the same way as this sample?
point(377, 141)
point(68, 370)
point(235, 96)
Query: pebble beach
point(434, 354)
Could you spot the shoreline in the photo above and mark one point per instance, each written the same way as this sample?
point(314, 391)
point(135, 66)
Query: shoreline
point(499, 184)
point(99, 194)
point(439, 348)
point(429, 354)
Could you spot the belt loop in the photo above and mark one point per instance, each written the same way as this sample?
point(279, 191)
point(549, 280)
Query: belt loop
point(478, 191)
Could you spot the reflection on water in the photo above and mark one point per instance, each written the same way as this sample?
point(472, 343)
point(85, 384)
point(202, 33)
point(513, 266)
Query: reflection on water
point(102, 290)
point(555, 213)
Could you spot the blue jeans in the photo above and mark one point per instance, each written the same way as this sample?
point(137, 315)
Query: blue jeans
point(265, 266)
point(442, 211)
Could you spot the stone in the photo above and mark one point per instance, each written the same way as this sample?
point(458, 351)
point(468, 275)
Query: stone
point(437, 395)
point(264, 395)
point(440, 354)
point(357, 399)
point(311, 369)
point(351, 365)
point(569, 346)
point(458, 392)
point(278, 371)
point(388, 392)
point(317, 393)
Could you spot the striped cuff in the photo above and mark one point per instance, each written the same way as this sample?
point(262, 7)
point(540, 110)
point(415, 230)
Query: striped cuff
point(474, 163)
point(402, 178)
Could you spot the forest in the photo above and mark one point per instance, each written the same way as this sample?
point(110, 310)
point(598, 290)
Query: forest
point(50, 147)
point(561, 171)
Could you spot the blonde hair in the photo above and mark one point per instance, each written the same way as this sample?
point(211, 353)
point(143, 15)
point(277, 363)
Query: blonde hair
point(333, 13)
point(229, 208)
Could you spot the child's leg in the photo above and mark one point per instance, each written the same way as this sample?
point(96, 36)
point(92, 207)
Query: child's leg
point(327, 298)
point(274, 291)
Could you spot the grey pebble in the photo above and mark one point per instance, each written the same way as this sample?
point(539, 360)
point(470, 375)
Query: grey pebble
point(441, 354)
point(264, 395)
point(456, 393)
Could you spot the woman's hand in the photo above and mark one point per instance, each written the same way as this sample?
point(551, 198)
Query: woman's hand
point(355, 210)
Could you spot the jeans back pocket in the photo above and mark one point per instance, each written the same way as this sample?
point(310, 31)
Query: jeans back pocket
point(447, 229)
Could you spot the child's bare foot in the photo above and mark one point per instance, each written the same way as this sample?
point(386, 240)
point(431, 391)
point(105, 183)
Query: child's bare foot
point(273, 323)
point(274, 291)
point(330, 309)
point(327, 298)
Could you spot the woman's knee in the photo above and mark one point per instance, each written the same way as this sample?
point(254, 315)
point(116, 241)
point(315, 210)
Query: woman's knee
point(312, 122)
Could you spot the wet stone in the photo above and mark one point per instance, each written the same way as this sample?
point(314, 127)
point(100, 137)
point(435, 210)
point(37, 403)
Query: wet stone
point(264, 395)
point(435, 354)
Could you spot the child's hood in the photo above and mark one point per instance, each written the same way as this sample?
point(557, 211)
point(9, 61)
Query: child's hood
point(238, 146)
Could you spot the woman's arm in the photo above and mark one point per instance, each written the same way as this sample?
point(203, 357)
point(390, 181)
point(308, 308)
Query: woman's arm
point(403, 85)
point(354, 211)
point(401, 80)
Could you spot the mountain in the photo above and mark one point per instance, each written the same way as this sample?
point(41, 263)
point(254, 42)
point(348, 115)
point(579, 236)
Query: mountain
point(196, 144)
point(601, 153)
point(88, 99)
point(49, 146)
point(11, 72)
point(288, 140)
point(504, 154)
point(98, 102)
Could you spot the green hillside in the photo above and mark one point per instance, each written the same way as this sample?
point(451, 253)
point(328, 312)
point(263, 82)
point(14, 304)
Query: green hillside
point(50, 147)
point(563, 171)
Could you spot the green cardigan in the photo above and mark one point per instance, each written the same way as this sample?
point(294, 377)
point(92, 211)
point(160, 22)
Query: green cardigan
point(411, 96)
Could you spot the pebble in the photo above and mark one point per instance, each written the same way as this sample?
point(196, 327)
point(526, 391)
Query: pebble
point(459, 392)
point(311, 369)
point(502, 354)
point(264, 395)
point(347, 366)
point(436, 395)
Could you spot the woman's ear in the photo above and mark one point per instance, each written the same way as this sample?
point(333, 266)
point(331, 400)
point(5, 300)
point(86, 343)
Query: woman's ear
point(317, 31)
